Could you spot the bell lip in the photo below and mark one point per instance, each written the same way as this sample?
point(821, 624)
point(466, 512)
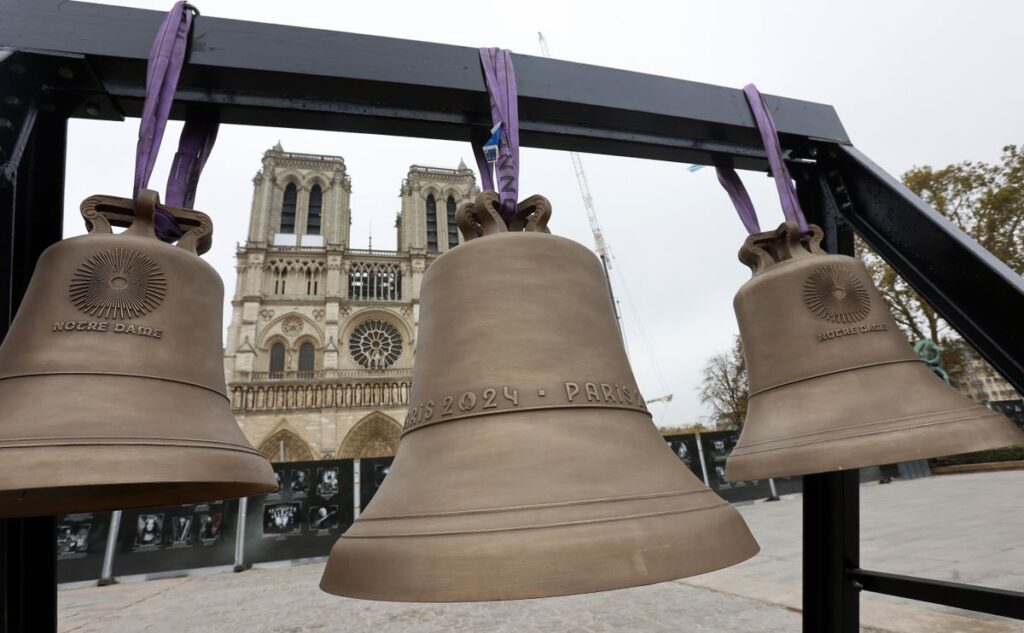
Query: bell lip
point(723, 540)
point(178, 475)
point(988, 431)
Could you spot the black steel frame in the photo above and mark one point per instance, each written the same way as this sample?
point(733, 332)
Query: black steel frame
point(74, 59)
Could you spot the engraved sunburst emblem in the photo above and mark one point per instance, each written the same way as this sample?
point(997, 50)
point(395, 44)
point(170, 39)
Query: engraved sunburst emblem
point(120, 283)
point(835, 293)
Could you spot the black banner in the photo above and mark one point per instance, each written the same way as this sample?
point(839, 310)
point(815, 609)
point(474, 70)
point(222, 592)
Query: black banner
point(306, 515)
point(372, 471)
point(171, 538)
point(81, 541)
point(717, 445)
point(685, 447)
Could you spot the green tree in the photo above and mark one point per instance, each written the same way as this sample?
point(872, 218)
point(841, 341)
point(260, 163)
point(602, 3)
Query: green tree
point(723, 386)
point(984, 200)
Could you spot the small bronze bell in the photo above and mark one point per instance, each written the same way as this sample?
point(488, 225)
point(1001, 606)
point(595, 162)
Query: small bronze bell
point(111, 378)
point(834, 385)
point(529, 466)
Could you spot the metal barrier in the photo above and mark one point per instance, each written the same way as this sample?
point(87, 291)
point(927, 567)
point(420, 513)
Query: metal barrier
point(302, 519)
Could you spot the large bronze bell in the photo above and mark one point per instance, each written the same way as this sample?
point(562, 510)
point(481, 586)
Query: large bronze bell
point(529, 465)
point(834, 385)
point(111, 380)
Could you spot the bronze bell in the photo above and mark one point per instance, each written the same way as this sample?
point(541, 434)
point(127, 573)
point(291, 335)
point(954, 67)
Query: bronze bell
point(529, 465)
point(834, 385)
point(111, 377)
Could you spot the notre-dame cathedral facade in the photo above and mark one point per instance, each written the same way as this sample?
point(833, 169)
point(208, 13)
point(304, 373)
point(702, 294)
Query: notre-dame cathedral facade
point(319, 350)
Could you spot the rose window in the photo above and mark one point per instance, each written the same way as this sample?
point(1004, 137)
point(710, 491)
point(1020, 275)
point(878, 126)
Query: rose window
point(375, 344)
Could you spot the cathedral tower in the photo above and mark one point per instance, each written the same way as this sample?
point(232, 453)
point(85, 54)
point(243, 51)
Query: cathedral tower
point(320, 346)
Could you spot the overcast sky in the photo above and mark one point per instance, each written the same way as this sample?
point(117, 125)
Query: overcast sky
point(914, 83)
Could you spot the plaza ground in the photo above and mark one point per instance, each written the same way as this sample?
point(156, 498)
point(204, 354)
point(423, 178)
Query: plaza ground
point(963, 528)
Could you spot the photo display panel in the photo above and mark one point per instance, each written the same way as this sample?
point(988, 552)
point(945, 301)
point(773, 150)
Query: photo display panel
point(81, 541)
point(685, 448)
point(188, 536)
point(717, 447)
point(372, 471)
point(305, 516)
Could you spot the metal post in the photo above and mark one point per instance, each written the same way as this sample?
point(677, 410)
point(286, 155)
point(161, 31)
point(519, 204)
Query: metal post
point(356, 501)
point(243, 505)
point(29, 576)
point(831, 547)
point(831, 522)
point(107, 573)
point(30, 220)
point(700, 455)
point(775, 493)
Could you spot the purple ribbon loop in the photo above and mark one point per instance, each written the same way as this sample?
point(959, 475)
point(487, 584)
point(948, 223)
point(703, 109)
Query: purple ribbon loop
point(731, 182)
point(166, 59)
point(194, 147)
point(500, 78)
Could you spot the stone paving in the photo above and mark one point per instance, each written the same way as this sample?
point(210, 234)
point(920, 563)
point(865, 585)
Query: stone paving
point(967, 528)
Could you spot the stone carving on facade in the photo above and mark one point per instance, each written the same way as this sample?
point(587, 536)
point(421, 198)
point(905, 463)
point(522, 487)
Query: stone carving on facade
point(319, 314)
point(374, 436)
point(266, 314)
point(292, 326)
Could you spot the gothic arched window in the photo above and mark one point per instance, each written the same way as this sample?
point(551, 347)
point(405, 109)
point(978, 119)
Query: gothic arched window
point(277, 361)
point(307, 360)
point(316, 198)
point(375, 281)
point(453, 229)
point(291, 195)
point(431, 223)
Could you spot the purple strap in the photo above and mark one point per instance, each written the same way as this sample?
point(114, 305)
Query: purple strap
point(732, 184)
point(500, 77)
point(166, 59)
point(194, 147)
point(783, 181)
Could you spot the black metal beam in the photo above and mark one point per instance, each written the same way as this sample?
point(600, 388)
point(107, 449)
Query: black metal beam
point(283, 76)
point(975, 292)
point(951, 594)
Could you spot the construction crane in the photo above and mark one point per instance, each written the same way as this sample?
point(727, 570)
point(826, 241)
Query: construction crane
point(600, 246)
point(604, 252)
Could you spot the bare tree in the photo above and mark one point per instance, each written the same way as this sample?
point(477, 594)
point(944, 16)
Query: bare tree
point(723, 387)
